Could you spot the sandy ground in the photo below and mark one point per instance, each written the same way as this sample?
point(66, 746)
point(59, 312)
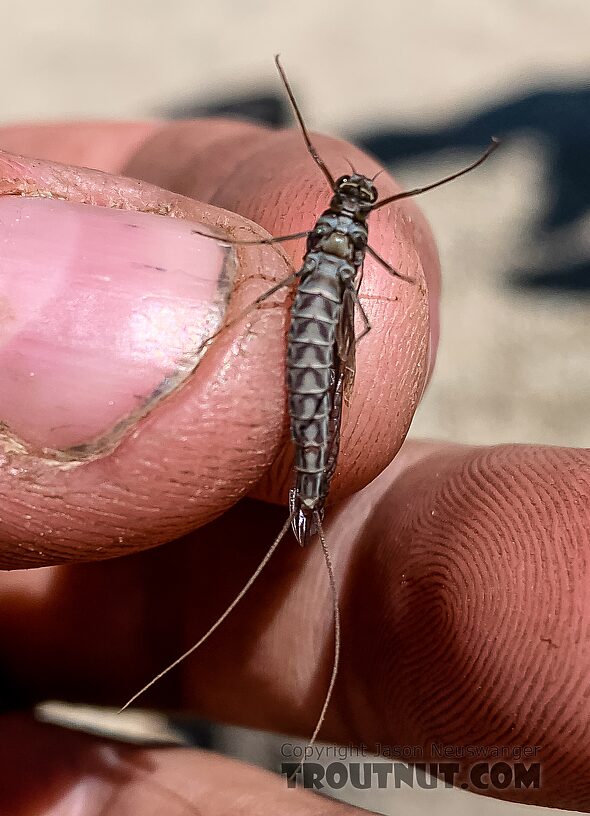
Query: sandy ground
point(431, 76)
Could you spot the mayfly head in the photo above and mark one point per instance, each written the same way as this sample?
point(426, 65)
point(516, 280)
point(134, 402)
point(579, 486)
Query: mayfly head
point(354, 194)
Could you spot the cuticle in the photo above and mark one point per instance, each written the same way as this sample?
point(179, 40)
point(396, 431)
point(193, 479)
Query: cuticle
point(166, 208)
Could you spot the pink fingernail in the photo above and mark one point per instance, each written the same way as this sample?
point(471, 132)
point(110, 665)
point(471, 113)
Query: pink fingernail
point(101, 312)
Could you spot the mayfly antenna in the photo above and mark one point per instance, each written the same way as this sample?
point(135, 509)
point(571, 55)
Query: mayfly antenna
point(336, 661)
point(221, 618)
point(312, 151)
point(419, 190)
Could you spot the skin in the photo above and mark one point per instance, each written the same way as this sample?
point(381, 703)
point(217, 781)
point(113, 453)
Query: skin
point(462, 570)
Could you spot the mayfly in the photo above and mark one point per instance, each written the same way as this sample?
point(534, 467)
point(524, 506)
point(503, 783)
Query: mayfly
point(321, 354)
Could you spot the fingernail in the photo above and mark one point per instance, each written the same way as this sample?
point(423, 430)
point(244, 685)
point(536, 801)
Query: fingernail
point(101, 313)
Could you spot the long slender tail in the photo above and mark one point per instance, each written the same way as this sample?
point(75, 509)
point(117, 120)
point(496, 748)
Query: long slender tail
point(337, 641)
point(221, 618)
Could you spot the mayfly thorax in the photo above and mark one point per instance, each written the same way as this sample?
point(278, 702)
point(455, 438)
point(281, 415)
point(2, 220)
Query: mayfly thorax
point(321, 352)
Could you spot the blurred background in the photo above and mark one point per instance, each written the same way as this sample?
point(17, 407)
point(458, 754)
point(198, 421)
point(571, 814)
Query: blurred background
point(423, 87)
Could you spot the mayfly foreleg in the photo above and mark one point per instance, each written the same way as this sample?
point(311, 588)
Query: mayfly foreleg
point(256, 242)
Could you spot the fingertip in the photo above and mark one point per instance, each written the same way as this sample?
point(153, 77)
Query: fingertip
point(484, 597)
point(109, 386)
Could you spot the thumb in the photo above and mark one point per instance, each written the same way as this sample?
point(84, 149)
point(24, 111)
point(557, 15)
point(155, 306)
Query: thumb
point(107, 441)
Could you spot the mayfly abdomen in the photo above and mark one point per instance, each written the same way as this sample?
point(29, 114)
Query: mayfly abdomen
point(315, 315)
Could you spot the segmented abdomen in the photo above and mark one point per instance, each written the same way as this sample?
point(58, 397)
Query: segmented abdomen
point(310, 376)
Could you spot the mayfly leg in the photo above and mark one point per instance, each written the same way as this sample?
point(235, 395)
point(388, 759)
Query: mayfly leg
point(388, 267)
point(364, 316)
point(289, 280)
point(285, 282)
point(252, 242)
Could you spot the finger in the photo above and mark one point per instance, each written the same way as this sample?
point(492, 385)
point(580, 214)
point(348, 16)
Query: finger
point(464, 596)
point(49, 770)
point(109, 443)
point(200, 451)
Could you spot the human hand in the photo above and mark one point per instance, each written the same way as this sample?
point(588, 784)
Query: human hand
point(462, 570)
